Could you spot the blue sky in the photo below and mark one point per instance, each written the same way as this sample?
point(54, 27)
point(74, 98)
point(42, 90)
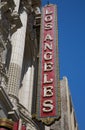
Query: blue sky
point(71, 34)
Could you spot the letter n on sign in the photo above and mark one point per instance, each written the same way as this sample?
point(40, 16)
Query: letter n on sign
point(48, 94)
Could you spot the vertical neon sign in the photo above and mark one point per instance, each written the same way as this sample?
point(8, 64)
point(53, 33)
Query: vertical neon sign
point(48, 100)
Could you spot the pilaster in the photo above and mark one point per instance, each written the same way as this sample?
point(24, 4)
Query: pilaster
point(26, 91)
point(9, 23)
point(18, 43)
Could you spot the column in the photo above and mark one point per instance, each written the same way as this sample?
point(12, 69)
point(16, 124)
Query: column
point(31, 89)
point(26, 90)
point(18, 43)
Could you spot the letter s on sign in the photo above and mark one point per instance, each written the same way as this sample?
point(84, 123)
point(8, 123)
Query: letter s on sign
point(48, 106)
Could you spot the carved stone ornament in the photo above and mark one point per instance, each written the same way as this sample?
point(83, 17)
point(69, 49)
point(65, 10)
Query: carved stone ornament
point(7, 5)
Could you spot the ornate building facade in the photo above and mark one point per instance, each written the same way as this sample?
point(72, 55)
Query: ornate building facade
point(19, 58)
point(18, 53)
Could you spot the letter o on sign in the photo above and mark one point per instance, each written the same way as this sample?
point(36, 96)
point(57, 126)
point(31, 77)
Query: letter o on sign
point(48, 18)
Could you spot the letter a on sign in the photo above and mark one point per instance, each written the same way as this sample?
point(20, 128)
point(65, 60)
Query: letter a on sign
point(48, 94)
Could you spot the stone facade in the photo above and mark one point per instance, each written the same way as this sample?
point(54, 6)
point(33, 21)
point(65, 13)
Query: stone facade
point(17, 43)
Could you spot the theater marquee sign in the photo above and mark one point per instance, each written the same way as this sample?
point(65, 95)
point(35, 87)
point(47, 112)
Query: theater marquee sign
point(48, 99)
